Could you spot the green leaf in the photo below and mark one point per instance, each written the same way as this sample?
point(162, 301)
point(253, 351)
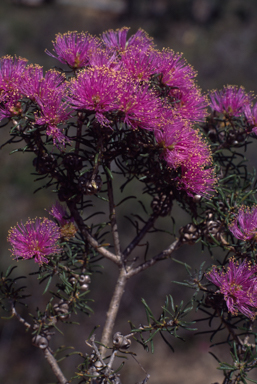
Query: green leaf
point(47, 285)
point(108, 171)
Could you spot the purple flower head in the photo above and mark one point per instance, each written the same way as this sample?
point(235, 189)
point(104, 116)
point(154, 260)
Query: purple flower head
point(231, 100)
point(102, 58)
point(238, 285)
point(244, 225)
point(11, 70)
point(11, 106)
point(37, 87)
point(36, 238)
point(139, 64)
point(53, 112)
point(197, 180)
point(31, 81)
point(189, 104)
point(177, 78)
point(182, 145)
point(174, 70)
point(48, 93)
point(251, 116)
point(139, 106)
point(96, 89)
point(74, 48)
point(116, 41)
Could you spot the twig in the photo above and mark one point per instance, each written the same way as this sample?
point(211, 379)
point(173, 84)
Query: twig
point(111, 361)
point(48, 355)
point(161, 256)
point(18, 316)
point(80, 223)
point(113, 219)
point(55, 367)
point(139, 236)
point(230, 330)
point(94, 347)
point(113, 309)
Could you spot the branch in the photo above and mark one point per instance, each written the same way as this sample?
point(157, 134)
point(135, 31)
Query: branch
point(113, 309)
point(48, 355)
point(139, 236)
point(161, 256)
point(80, 223)
point(55, 367)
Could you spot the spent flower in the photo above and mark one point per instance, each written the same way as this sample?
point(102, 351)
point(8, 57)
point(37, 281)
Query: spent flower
point(67, 227)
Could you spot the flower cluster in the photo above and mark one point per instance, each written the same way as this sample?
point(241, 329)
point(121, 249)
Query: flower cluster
point(148, 89)
point(120, 81)
point(36, 238)
point(244, 225)
point(238, 284)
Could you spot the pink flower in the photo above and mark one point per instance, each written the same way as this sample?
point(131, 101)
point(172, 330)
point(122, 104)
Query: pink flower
point(139, 106)
point(117, 40)
point(37, 238)
point(48, 93)
point(11, 70)
point(244, 225)
point(53, 112)
point(31, 81)
point(139, 64)
point(11, 107)
point(189, 104)
point(96, 89)
point(231, 100)
point(251, 116)
point(182, 145)
point(74, 48)
point(238, 285)
point(174, 80)
point(174, 70)
point(184, 149)
point(37, 87)
point(102, 58)
point(197, 180)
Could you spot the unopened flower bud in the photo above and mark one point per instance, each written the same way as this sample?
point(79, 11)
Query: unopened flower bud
point(84, 279)
point(121, 342)
point(40, 341)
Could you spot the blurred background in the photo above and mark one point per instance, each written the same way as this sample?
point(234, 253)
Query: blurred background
point(218, 37)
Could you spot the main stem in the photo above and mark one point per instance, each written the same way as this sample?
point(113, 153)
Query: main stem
point(113, 309)
point(55, 367)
